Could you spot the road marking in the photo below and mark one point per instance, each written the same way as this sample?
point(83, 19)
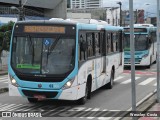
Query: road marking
point(28, 108)
point(118, 78)
point(2, 80)
point(6, 107)
point(147, 81)
point(2, 105)
point(15, 107)
point(21, 107)
point(129, 80)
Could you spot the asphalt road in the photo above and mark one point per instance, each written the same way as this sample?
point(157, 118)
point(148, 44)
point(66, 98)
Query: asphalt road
point(116, 99)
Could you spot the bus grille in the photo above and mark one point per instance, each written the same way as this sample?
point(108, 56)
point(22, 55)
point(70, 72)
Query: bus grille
point(40, 79)
point(30, 93)
point(127, 61)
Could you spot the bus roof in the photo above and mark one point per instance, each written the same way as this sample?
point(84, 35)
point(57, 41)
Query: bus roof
point(81, 25)
point(46, 22)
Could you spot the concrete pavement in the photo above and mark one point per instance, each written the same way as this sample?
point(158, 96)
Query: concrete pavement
point(154, 109)
point(4, 71)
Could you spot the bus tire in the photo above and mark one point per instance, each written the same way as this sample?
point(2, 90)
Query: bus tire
point(83, 100)
point(110, 84)
point(32, 100)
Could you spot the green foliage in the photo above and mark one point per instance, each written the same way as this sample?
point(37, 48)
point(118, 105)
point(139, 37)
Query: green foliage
point(5, 35)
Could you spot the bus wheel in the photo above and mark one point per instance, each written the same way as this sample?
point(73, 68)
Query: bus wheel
point(110, 84)
point(32, 100)
point(83, 100)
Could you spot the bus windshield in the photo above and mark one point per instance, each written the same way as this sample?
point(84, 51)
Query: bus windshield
point(52, 55)
point(141, 42)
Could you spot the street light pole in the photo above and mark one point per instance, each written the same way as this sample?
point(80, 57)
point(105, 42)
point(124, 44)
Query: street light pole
point(120, 4)
point(132, 52)
point(158, 54)
point(20, 11)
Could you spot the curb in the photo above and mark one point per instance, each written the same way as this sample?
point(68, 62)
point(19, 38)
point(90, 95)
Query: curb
point(3, 90)
point(143, 105)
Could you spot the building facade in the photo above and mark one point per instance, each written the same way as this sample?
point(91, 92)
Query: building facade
point(73, 4)
point(98, 13)
point(34, 8)
point(113, 16)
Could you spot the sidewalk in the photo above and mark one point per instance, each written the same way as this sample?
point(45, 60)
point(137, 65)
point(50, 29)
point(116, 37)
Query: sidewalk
point(4, 70)
point(154, 109)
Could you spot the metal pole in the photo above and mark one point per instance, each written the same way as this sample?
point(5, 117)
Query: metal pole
point(158, 54)
point(120, 14)
point(120, 4)
point(132, 57)
point(21, 14)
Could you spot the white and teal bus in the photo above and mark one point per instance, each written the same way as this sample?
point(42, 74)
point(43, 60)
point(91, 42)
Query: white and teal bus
point(145, 45)
point(64, 60)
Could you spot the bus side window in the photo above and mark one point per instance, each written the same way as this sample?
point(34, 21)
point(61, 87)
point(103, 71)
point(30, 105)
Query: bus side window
point(115, 42)
point(112, 42)
point(97, 43)
point(120, 38)
point(90, 43)
point(108, 45)
point(82, 47)
point(153, 36)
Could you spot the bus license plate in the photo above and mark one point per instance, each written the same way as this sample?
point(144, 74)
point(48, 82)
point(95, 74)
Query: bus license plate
point(40, 97)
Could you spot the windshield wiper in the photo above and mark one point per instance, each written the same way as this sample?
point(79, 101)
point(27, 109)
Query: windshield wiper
point(52, 48)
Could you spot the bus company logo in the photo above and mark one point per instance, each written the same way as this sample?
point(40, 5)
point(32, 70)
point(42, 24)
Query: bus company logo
point(39, 85)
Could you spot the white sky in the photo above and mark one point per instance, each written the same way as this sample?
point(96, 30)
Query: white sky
point(138, 4)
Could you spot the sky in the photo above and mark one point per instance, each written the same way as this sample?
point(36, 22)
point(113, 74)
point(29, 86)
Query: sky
point(137, 4)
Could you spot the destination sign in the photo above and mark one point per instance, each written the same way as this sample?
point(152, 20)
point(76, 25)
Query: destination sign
point(44, 29)
point(135, 30)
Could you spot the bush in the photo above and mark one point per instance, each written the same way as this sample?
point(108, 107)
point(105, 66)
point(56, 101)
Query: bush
point(5, 30)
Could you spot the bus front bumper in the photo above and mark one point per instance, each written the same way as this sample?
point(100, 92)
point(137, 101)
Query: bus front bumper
point(73, 93)
point(138, 62)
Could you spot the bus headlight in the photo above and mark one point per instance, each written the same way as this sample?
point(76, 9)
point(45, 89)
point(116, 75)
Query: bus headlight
point(68, 84)
point(13, 81)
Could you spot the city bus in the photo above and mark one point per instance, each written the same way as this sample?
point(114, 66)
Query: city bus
point(63, 60)
point(145, 45)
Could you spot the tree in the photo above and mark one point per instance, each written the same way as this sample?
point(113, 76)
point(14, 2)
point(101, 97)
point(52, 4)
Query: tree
point(5, 35)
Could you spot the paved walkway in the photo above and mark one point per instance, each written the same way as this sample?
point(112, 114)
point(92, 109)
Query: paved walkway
point(154, 109)
point(4, 70)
